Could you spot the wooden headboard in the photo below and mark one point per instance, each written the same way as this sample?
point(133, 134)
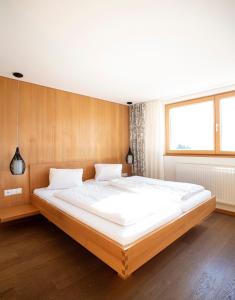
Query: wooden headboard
point(39, 173)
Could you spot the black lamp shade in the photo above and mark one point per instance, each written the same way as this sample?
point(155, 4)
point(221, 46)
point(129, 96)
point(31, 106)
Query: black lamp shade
point(17, 165)
point(130, 157)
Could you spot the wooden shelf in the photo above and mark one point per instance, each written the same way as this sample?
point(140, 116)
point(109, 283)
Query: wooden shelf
point(17, 212)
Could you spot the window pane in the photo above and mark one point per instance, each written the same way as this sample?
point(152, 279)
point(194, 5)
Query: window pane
point(227, 124)
point(192, 127)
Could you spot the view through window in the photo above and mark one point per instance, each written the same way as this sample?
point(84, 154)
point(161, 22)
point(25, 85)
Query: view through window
point(201, 126)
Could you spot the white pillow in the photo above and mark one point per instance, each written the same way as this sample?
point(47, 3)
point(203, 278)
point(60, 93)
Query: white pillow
point(65, 178)
point(107, 171)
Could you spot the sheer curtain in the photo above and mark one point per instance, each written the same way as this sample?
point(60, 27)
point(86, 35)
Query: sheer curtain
point(154, 139)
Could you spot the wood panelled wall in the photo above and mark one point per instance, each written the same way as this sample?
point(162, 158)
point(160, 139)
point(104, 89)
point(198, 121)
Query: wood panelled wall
point(56, 126)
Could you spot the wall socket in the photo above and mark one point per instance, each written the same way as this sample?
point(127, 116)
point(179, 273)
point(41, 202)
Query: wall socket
point(12, 192)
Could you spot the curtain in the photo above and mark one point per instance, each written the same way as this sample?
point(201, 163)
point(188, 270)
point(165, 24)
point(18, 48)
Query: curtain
point(137, 136)
point(154, 139)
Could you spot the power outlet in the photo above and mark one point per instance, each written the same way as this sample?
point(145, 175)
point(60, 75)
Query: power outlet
point(12, 192)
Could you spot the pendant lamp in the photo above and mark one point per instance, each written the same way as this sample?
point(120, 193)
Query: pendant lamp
point(130, 157)
point(17, 165)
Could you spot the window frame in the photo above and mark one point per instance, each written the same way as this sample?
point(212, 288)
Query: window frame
point(217, 151)
point(218, 98)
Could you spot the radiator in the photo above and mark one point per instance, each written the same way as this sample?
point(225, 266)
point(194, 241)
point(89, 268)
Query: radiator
point(220, 180)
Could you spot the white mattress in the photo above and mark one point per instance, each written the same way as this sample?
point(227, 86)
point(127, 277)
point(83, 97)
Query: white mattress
point(124, 235)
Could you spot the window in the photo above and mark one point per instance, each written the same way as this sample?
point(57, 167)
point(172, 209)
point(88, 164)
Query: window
point(192, 127)
point(201, 126)
point(227, 124)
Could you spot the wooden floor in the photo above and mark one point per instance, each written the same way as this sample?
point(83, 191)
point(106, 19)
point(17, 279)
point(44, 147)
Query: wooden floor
point(38, 261)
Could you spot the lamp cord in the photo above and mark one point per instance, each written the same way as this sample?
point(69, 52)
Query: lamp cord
point(17, 116)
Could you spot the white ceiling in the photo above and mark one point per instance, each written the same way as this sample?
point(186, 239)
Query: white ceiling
point(121, 50)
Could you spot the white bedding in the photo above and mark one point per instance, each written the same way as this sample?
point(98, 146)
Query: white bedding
point(116, 205)
point(179, 191)
point(124, 235)
point(185, 205)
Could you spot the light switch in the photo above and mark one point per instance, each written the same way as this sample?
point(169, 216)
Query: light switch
point(12, 192)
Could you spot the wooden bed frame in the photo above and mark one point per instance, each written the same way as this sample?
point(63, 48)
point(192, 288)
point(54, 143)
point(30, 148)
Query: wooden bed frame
point(124, 260)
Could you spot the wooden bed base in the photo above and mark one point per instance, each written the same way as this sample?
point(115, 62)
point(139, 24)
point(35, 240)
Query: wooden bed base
point(124, 260)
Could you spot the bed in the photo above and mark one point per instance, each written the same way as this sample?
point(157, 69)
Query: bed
point(123, 251)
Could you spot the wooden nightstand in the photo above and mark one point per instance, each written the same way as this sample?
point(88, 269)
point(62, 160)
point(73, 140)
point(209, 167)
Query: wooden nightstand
point(17, 212)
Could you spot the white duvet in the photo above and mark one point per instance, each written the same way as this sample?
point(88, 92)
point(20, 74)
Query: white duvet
point(119, 206)
point(179, 191)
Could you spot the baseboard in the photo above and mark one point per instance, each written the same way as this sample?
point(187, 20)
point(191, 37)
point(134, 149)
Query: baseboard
point(226, 212)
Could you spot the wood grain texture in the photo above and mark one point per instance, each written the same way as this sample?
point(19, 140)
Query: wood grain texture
point(17, 212)
point(123, 259)
point(106, 249)
point(39, 261)
point(56, 126)
point(147, 247)
point(226, 212)
point(39, 173)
